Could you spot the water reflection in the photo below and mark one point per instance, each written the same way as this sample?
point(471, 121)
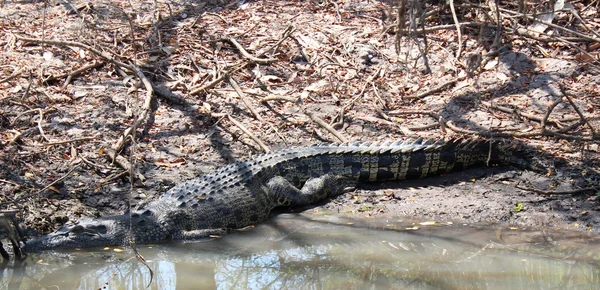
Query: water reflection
point(297, 252)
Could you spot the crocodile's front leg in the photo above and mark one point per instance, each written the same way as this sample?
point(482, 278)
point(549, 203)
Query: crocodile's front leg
point(315, 189)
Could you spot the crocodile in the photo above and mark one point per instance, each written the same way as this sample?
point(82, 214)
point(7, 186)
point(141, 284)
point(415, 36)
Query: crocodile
point(244, 193)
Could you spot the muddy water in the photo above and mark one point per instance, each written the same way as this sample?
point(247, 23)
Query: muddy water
point(329, 252)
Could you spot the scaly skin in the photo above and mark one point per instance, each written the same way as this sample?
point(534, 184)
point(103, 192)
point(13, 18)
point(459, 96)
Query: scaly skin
point(245, 192)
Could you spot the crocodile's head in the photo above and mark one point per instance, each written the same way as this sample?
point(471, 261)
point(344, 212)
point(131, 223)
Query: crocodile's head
point(87, 232)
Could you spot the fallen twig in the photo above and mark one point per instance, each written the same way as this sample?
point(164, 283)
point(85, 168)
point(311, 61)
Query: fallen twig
point(252, 136)
point(279, 98)
point(81, 70)
point(102, 54)
point(433, 115)
point(443, 27)
point(248, 55)
point(15, 74)
point(71, 141)
point(547, 115)
point(210, 85)
point(564, 192)
point(454, 128)
point(587, 37)
point(453, 10)
point(123, 163)
point(527, 115)
point(71, 75)
point(326, 126)
point(39, 124)
point(434, 90)
point(238, 90)
point(147, 108)
point(567, 94)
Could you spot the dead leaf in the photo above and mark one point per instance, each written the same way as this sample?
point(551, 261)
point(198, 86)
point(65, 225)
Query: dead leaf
point(173, 163)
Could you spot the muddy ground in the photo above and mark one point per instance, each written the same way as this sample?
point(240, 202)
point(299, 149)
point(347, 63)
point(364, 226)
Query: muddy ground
point(334, 61)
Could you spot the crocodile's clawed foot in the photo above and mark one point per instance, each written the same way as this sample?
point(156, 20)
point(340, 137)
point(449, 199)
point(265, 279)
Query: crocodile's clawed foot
point(8, 222)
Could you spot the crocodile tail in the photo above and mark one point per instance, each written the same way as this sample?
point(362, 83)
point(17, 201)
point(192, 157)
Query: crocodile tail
point(514, 153)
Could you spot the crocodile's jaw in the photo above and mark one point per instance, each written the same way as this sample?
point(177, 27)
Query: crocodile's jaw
point(102, 232)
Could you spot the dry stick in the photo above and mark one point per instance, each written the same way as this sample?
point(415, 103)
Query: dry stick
point(113, 177)
point(454, 128)
point(248, 55)
point(146, 110)
point(584, 24)
point(74, 73)
point(434, 90)
point(103, 54)
point(81, 70)
point(551, 38)
point(405, 130)
point(547, 115)
point(457, 28)
point(326, 126)
point(71, 141)
point(587, 37)
point(28, 89)
point(235, 68)
point(123, 163)
point(25, 113)
point(12, 76)
point(258, 141)
point(564, 192)
point(447, 26)
point(10, 182)
point(526, 115)
point(242, 96)
point(279, 98)
point(433, 115)
point(583, 118)
point(39, 123)
point(239, 91)
point(451, 126)
point(399, 25)
point(15, 138)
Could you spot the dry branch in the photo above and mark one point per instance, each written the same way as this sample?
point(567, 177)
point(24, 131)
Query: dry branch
point(15, 74)
point(434, 90)
point(252, 136)
point(556, 192)
point(326, 126)
point(567, 94)
point(248, 55)
point(279, 98)
point(210, 85)
point(238, 90)
point(584, 36)
point(123, 163)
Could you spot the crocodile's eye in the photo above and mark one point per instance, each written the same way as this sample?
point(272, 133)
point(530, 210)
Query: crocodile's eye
point(76, 229)
point(99, 229)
